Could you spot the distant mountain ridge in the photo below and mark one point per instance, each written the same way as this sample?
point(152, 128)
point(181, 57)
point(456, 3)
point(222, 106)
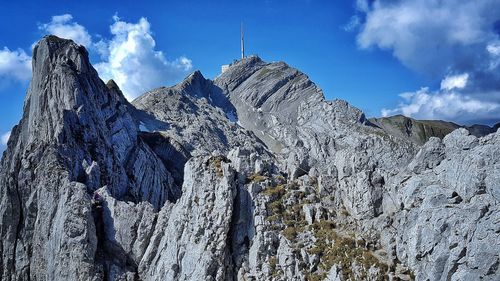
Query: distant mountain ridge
point(419, 131)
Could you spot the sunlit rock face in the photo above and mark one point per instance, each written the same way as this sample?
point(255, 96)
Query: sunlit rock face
point(252, 176)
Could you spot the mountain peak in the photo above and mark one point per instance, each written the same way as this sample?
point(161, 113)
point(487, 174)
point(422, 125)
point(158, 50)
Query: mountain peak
point(52, 52)
point(250, 60)
point(111, 84)
point(54, 43)
point(51, 46)
point(196, 75)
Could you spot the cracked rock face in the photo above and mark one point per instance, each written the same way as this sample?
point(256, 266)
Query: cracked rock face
point(190, 238)
point(252, 176)
point(449, 224)
point(76, 136)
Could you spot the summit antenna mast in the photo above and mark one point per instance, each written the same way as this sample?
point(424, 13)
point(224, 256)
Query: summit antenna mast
point(242, 43)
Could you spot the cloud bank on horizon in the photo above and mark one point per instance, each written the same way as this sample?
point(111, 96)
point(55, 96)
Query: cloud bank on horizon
point(456, 40)
point(129, 57)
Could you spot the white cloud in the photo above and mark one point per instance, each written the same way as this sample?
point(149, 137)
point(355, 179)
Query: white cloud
point(437, 38)
point(454, 82)
point(4, 138)
point(15, 65)
point(444, 105)
point(429, 35)
point(64, 27)
point(362, 5)
point(130, 59)
point(494, 48)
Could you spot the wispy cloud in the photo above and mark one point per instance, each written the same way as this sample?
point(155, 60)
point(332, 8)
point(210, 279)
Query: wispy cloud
point(431, 35)
point(353, 24)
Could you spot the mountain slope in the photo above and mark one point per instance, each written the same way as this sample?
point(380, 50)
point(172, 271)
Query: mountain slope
point(252, 176)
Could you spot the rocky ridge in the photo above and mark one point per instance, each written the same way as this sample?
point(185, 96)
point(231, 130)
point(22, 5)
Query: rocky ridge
point(252, 176)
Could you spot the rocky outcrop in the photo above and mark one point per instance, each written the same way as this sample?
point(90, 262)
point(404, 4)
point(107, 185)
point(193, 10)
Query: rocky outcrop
point(356, 163)
point(312, 134)
point(196, 115)
point(447, 226)
point(189, 241)
point(252, 176)
point(76, 136)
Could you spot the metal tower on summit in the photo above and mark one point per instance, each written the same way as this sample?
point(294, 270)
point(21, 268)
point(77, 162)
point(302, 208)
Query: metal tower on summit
point(242, 43)
point(225, 67)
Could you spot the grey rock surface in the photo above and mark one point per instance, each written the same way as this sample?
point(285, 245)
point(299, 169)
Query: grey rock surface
point(252, 176)
point(190, 238)
point(76, 136)
point(448, 228)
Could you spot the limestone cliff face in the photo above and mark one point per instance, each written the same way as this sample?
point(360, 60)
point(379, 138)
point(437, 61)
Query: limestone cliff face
point(252, 176)
point(447, 225)
point(76, 136)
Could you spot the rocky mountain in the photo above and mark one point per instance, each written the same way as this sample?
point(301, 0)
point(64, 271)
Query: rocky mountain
point(252, 176)
point(420, 131)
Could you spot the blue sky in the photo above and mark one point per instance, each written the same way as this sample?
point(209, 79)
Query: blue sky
point(426, 59)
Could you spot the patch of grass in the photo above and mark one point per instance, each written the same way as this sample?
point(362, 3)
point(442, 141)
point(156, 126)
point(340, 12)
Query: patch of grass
point(290, 233)
point(316, 276)
point(273, 261)
point(281, 179)
point(335, 249)
point(273, 218)
point(291, 218)
point(276, 208)
point(313, 181)
point(344, 211)
point(256, 178)
point(315, 250)
point(216, 162)
point(324, 225)
point(293, 186)
point(370, 260)
point(275, 191)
